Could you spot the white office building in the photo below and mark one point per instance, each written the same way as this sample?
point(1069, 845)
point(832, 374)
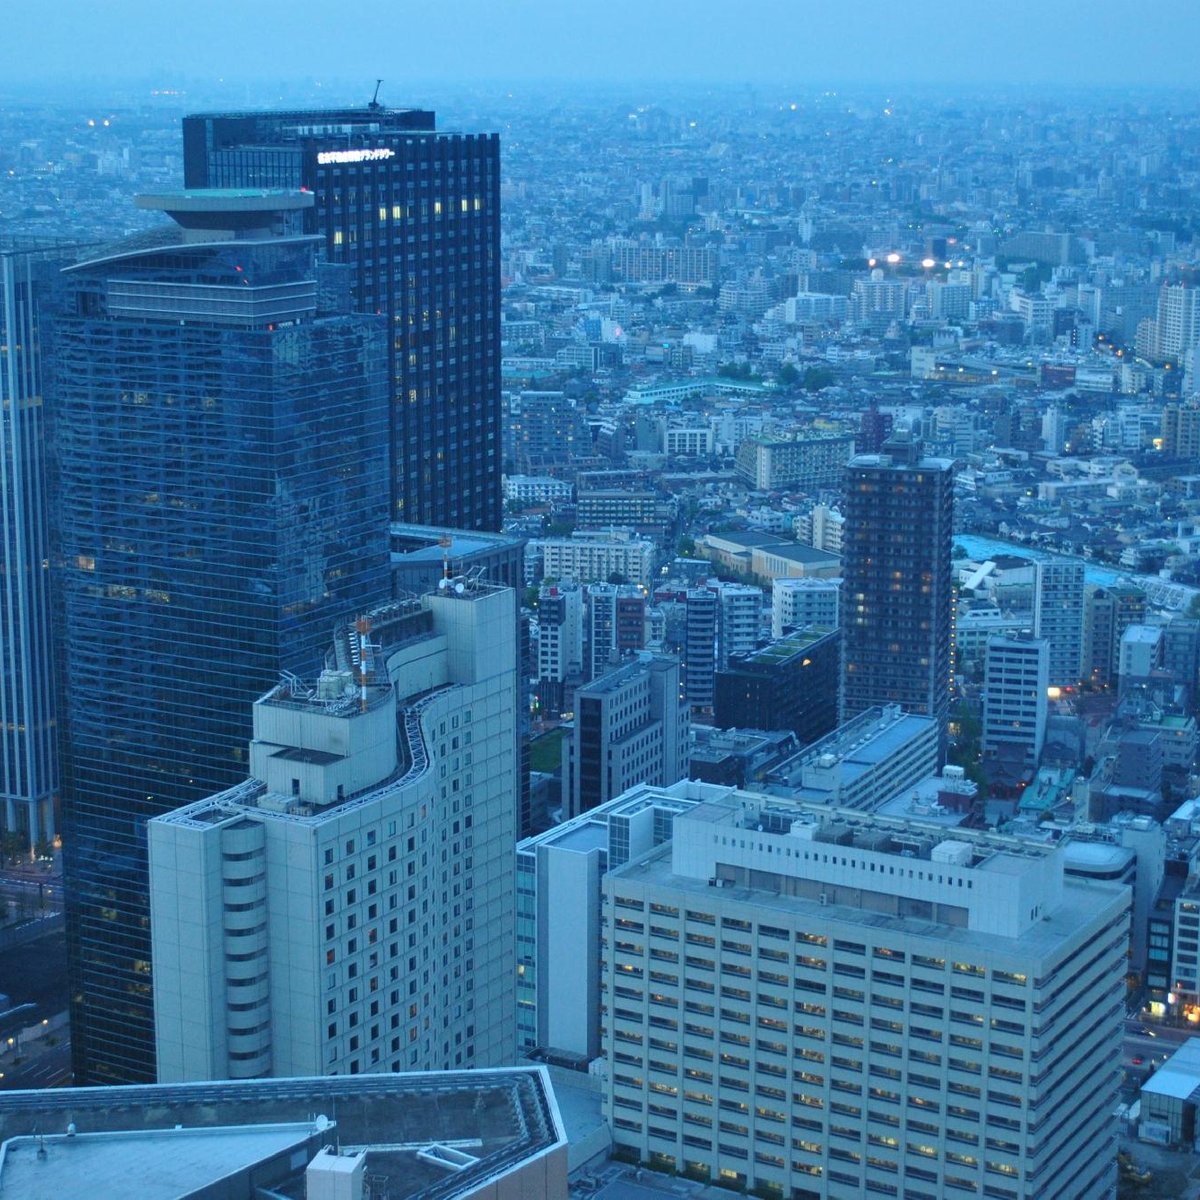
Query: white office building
point(558, 912)
point(801, 603)
point(594, 556)
point(827, 1003)
point(350, 906)
point(1015, 705)
point(1058, 616)
point(863, 762)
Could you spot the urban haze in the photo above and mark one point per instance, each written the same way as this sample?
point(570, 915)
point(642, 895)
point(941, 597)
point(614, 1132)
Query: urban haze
point(600, 601)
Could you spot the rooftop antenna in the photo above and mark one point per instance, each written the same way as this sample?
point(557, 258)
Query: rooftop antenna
point(375, 98)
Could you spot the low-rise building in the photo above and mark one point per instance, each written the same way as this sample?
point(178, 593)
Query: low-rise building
point(435, 1136)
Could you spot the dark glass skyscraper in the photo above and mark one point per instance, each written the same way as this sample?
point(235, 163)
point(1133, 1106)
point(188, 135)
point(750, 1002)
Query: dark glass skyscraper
point(28, 758)
point(415, 214)
point(896, 590)
point(222, 453)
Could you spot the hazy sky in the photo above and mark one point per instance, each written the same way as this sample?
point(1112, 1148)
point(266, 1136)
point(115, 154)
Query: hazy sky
point(1108, 42)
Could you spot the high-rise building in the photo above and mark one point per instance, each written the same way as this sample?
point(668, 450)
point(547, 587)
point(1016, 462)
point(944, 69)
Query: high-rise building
point(874, 428)
point(739, 619)
point(1181, 429)
point(869, 1006)
point(28, 754)
point(700, 646)
point(558, 912)
point(1015, 704)
point(807, 462)
point(560, 644)
point(415, 215)
point(1058, 616)
point(1108, 612)
point(630, 727)
point(349, 907)
point(616, 625)
point(897, 592)
point(221, 445)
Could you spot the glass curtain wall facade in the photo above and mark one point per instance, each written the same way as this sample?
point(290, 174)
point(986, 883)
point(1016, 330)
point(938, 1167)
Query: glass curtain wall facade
point(222, 452)
point(28, 757)
point(415, 214)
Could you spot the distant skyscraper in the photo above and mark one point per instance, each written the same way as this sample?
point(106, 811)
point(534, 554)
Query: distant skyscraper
point(896, 595)
point(28, 758)
point(221, 448)
point(415, 214)
point(700, 647)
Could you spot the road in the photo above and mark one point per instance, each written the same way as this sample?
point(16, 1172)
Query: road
point(1153, 1044)
point(46, 1067)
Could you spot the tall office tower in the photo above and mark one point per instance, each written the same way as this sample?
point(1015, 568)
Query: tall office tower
point(699, 647)
point(1015, 704)
point(222, 456)
point(630, 727)
point(897, 591)
point(1058, 616)
point(869, 1006)
point(370, 855)
point(28, 755)
point(415, 214)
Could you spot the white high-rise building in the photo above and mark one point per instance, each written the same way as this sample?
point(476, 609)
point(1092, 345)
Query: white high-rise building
point(350, 906)
point(1058, 616)
point(1178, 321)
point(739, 619)
point(807, 1001)
point(1015, 704)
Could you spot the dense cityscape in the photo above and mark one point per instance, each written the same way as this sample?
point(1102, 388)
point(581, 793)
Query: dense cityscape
point(610, 641)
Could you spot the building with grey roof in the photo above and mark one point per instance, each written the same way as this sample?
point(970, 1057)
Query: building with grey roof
point(863, 762)
point(440, 1136)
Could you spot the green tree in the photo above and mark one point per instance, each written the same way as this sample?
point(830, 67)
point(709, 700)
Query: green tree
point(816, 378)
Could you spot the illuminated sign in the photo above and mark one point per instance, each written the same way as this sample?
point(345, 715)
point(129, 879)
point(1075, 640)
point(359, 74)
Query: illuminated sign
point(354, 156)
